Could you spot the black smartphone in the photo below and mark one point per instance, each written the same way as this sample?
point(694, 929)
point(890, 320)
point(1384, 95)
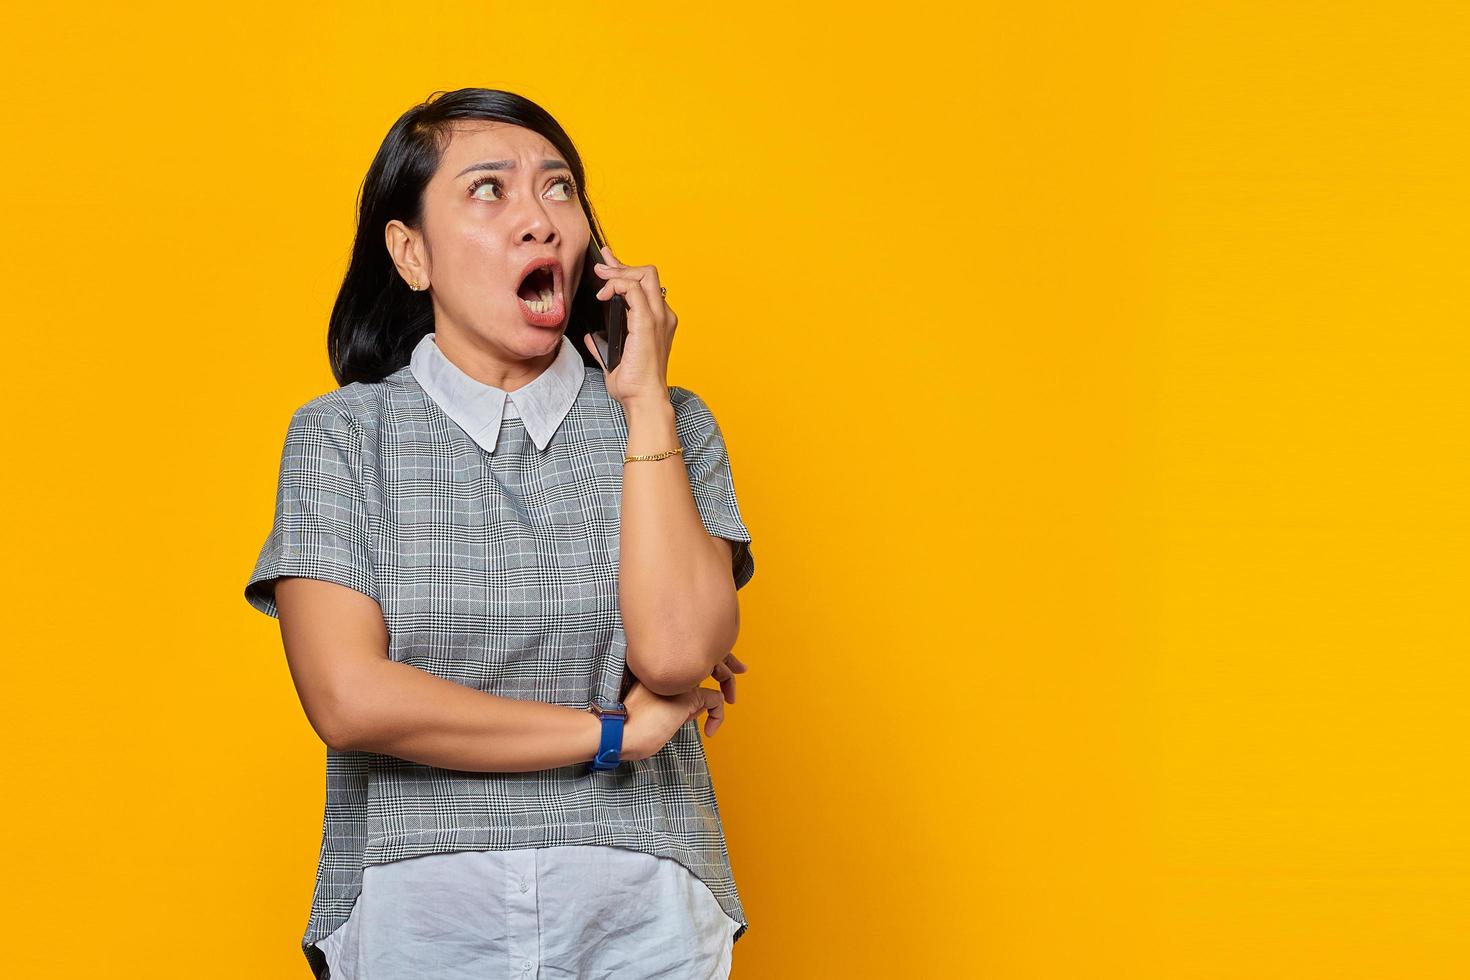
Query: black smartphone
point(614, 318)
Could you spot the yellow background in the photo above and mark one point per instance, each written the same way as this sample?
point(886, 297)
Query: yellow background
point(1094, 377)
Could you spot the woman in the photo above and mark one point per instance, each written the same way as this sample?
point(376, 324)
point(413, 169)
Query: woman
point(479, 536)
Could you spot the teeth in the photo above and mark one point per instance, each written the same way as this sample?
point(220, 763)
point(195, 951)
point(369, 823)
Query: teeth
point(544, 304)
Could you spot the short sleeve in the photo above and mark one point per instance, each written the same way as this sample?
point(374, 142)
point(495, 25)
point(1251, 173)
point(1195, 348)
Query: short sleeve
point(320, 529)
point(710, 477)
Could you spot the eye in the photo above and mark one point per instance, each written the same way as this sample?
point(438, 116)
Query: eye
point(479, 182)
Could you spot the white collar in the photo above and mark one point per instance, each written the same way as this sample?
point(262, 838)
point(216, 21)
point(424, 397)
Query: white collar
point(478, 408)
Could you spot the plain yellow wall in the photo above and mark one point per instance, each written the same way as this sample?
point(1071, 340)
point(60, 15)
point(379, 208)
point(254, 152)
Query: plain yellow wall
point(1094, 377)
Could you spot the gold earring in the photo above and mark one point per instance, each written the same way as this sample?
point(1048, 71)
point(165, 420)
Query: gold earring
point(414, 285)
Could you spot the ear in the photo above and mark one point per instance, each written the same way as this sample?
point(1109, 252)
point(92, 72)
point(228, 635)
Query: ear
point(403, 250)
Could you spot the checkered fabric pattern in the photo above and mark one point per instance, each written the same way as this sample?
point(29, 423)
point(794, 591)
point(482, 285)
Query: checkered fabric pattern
point(497, 571)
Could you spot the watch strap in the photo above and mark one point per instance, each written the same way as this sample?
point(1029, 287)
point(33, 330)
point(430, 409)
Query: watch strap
point(609, 750)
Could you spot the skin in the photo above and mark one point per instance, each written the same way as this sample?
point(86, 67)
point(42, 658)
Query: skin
point(676, 592)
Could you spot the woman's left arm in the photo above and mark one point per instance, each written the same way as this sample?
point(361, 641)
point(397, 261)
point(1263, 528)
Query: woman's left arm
point(676, 590)
point(675, 587)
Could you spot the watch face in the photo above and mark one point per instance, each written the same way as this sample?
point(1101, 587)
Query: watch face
point(604, 707)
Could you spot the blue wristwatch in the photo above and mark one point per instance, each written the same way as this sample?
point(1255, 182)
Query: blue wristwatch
point(613, 715)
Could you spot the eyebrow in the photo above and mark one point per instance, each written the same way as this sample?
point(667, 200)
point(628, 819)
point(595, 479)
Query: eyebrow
point(511, 165)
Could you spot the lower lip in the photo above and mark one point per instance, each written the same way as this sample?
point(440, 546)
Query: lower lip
point(551, 318)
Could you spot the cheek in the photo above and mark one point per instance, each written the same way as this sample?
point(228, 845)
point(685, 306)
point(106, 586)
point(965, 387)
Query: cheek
point(477, 263)
point(583, 258)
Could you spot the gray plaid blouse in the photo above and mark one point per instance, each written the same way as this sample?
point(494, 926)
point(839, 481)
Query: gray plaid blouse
point(489, 539)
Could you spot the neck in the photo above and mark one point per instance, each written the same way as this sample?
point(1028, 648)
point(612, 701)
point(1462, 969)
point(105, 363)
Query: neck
point(489, 361)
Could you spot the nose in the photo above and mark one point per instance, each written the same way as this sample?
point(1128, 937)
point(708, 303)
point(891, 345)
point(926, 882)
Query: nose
point(536, 224)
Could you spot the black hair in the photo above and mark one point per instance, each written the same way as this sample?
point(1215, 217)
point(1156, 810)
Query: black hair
point(377, 319)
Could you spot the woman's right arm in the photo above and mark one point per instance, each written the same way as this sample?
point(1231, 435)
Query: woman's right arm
point(359, 700)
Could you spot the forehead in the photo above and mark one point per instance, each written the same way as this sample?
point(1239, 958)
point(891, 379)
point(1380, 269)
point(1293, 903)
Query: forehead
point(471, 142)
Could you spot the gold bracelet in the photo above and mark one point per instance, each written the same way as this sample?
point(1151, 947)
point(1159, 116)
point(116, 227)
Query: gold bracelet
point(663, 455)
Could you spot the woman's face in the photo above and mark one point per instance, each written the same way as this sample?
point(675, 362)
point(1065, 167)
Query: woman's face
point(501, 198)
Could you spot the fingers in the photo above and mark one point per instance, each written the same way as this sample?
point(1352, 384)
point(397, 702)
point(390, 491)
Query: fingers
point(645, 275)
point(629, 290)
point(713, 702)
point(725, 672)
point(722, 674)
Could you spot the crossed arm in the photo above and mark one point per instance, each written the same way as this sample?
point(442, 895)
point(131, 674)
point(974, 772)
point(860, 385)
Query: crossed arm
point(357, 699)
point(679, 610)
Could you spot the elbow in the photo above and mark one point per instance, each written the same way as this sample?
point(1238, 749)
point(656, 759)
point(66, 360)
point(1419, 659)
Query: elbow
point(672, 677)
point(353, 730)
point(340, 739)
point(668, 684)
point(340, 725)
point(665, 664)
point(337, 734)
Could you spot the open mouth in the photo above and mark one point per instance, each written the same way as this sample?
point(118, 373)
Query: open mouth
point(538, 289)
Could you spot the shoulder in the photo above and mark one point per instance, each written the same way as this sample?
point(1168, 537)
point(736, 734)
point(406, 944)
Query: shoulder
point(695, 422)
point(689, 405)
point(354, 409)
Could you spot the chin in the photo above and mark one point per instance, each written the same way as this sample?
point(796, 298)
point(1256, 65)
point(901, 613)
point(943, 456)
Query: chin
point(532, 341)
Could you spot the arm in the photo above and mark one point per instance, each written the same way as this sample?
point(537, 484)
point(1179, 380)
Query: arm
point(675, 587)
point(316, 574)
point(357, 699)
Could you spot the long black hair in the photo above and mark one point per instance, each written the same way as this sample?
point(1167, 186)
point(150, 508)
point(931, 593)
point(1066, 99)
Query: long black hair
point(377, 319)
